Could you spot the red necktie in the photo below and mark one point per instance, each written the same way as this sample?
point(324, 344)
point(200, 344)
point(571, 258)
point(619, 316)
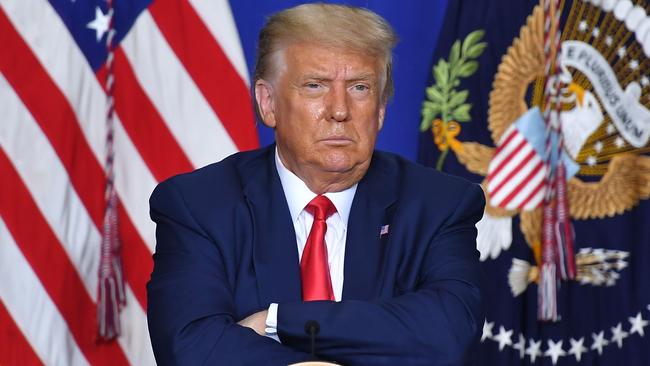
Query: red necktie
point(314, 270)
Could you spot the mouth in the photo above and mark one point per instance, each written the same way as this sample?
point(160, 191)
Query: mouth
point(337, 141)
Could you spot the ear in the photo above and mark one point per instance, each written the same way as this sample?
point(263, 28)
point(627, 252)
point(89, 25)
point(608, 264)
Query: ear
point(265, 105)
point(382, 114)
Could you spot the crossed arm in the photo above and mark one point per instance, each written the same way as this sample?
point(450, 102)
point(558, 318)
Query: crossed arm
point(191, 307)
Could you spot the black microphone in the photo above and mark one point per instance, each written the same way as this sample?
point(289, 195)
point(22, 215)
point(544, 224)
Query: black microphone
point(312, 328)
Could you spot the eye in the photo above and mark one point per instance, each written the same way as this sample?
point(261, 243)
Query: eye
point(361, 87)
point(312, 85)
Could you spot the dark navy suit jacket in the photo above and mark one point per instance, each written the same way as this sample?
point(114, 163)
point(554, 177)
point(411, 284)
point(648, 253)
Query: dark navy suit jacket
point(226, 248)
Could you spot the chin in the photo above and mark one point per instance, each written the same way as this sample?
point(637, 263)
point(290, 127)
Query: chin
point(339, 162)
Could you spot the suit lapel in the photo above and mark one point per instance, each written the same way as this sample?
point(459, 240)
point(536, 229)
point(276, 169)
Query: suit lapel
point(275, 255)
point(372, 208)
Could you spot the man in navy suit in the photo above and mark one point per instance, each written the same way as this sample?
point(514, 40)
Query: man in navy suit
point(378, 251)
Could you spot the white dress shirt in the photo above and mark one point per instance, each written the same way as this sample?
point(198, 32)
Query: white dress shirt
point(298, 196)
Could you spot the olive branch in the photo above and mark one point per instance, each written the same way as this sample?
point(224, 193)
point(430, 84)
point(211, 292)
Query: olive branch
point(444, 101)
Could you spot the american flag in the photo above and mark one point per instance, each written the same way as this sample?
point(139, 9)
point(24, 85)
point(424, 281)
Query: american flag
point(181, 102)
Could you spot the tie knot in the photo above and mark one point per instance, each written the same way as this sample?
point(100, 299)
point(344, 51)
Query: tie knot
point(320, 207)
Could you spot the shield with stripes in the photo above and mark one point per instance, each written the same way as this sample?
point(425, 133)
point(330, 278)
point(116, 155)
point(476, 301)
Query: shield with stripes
point(516, 173)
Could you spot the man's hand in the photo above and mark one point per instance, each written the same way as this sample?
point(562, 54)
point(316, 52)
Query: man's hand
point(256, 322)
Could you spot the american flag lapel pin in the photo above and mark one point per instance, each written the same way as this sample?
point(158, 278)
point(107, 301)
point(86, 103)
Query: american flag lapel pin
point(383, 230)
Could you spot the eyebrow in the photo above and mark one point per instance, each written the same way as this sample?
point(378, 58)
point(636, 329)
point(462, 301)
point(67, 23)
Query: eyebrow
point(361, 77)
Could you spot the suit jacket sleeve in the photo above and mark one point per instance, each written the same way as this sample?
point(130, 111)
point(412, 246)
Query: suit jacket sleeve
point(437, 323)
point(190, 303)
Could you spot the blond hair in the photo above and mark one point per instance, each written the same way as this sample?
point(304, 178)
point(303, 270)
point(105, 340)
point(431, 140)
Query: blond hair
point(339, 26)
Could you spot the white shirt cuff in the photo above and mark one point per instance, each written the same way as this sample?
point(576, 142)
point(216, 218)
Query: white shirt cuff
point(272, 322)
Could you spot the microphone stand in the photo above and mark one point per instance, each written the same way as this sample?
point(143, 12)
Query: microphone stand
point(312, 328)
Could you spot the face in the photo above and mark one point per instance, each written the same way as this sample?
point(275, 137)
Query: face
point(326, 107)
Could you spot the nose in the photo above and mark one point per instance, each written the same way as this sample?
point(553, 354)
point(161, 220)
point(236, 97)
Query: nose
point(339, 105)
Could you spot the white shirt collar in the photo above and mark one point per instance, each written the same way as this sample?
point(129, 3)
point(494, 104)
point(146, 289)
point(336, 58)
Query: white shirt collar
point(298, 194)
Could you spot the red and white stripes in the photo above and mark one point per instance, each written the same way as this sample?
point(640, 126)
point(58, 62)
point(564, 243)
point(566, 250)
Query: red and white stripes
point(516, 173)
point(176, 109)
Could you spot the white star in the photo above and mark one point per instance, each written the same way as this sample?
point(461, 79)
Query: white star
point(554, 350)
point(619, 142)
point(618, 334)
point(595, 32)
point(621, 52)
point(504, 337)
point(644, 80)
point(610, 129)
point(648, 307)
point(638, 323)
point(634, 64)
point(577, 349)
point(582, 26)
point(609, 40)
point(487, 330)
point(598, 146)
point(621, 254)
point(520, 346)
point(534, 350)
point(100, 23)
point(599, 342)
point(591, 160)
